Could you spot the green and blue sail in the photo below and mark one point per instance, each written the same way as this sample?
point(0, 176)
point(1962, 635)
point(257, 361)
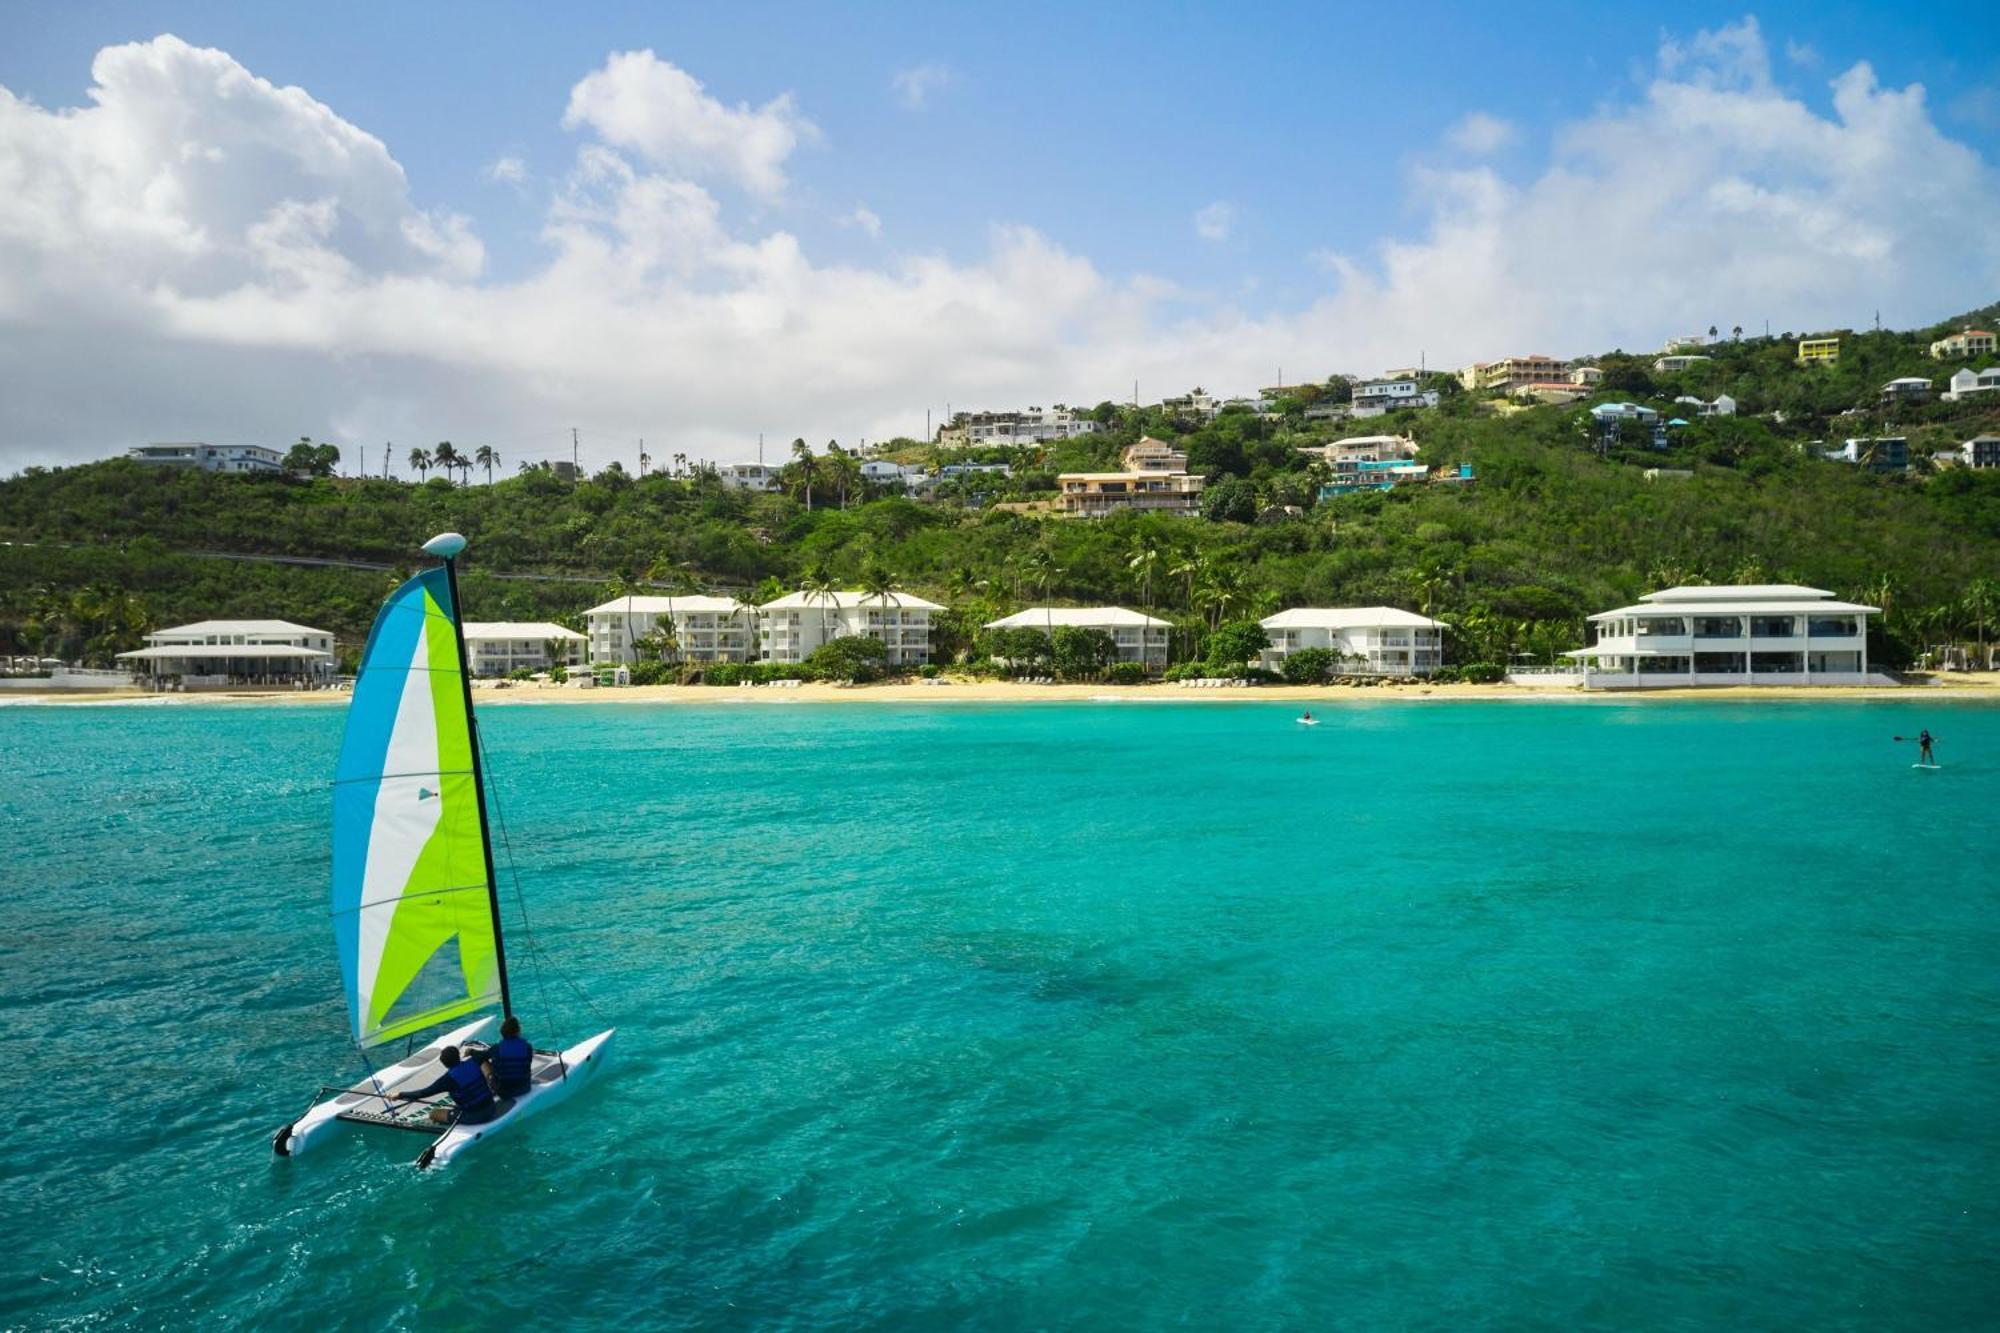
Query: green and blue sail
point(409, 870)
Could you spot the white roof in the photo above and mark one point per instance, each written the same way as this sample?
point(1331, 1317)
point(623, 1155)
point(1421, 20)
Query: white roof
point(649, 605)
point(843, 601)
point(274, 628)
point(1747, 592)
point(219, 651)
point(1348, 617)
point(517, 629)
point(1080, 617)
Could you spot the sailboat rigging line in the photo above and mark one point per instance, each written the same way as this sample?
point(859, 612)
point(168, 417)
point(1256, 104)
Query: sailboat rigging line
point(535, 951)
point(478, 777)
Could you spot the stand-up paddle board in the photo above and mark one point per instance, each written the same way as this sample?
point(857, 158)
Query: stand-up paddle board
point(1928, 767)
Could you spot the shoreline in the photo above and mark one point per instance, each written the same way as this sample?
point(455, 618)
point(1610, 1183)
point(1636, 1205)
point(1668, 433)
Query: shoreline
point(1969, 687)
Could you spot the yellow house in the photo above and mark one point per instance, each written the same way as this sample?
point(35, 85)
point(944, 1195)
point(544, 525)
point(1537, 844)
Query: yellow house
point(1812, 350)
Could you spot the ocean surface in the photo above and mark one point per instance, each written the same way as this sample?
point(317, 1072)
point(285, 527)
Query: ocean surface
point(1618, 1014)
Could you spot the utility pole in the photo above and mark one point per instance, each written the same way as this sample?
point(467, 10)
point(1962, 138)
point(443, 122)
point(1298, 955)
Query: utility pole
point(575, 451)
point(385, 459)
point(642, 455)
point(760, 453)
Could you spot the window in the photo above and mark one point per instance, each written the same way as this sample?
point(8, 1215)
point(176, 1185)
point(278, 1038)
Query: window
point(1718, 627)
point(1655, 625)
point(1773, 627)
point(1831, 627)
point(1719, 664)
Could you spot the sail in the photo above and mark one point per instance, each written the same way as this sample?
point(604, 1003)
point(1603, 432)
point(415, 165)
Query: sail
point(409, 868)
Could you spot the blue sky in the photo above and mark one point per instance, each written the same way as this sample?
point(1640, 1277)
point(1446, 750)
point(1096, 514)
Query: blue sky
point(1105, 126)
point(1188, 192)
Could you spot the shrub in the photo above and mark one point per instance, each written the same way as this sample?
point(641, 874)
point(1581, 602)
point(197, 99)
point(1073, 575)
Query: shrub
point(521, 673)
point(857, 658)
point(1482, 673)
point(1260, 676)
point(558, 674)
point(1309, 666)
point(1234, 643)
point(1126, 673)
point(653, 673)
point(1444, 675)
point(1186, 671)
point(929, 671)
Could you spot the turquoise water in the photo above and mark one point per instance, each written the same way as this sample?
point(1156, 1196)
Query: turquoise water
point(1604, 1015)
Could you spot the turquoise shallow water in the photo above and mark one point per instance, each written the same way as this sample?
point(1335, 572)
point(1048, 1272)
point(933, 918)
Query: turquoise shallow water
point(1607, 1015)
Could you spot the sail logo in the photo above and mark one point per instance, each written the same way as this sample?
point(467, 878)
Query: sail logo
point(425, 793)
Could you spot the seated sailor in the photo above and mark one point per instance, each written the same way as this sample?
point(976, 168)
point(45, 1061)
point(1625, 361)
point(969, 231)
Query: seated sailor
point(510, 1065)
point(471, 1097)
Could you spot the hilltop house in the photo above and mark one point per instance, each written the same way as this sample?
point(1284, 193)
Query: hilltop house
point(1963, 345)
point(1588, 377)
point(1140, 638)
point(1722, 405)
point(1512, 372)
point(236, 652)
point(1555, 392)
point(1906, 389)
point(211, 457)
point(790, 628)
point(1370, 640)
point(705, 629)
point(1374, 397)
point(748, 476)
point(1197, 405)
point(1679, 361)
point(1034, 425)
point(1819, 351)
point(1966, 382)
point(498, 647)
point(1981, 451)
point(1155, 478)
point(1886, 453)
point(1768, 634)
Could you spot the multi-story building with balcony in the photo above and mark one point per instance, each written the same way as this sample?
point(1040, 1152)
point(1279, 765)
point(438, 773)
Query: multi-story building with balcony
point(498, 647)
point(1140, 638)
point(1510, 373)
point(704, 629)
point(1370, 640)
point(1881, 453)
point(1374, 397)
point(210, 457)
point(791, 628)
point(1965, 343)
point(1034, 425)
point(1819, 351)
point(1765, 634)
point(1155, 478)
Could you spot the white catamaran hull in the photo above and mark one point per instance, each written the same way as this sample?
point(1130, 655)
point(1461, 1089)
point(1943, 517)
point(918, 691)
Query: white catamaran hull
point(555, 1080)
point(324, 1120)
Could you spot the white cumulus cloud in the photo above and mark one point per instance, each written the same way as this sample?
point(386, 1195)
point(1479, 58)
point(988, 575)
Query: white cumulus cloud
point(1480, 133)
point(507, 171)
point(866, 219)
point(652, 107)
point(1213, 221)
point(196, 253)
point(913, 86)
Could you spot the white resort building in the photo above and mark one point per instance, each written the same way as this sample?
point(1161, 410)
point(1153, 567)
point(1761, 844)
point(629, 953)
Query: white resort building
point(236, 652)
point(1370, 640)
point(497, 647)
point(797, 623)
point(1140, 638)
point(211, 457)
point(1758, 634)
point(705, 629)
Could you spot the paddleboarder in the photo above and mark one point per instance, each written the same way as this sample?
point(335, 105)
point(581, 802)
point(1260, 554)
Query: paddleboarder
point(1924, 755)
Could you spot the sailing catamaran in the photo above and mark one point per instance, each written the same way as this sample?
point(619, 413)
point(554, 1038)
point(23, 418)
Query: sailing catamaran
point(413, 875)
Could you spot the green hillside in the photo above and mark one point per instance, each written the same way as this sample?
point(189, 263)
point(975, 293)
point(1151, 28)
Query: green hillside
point(1553, 528)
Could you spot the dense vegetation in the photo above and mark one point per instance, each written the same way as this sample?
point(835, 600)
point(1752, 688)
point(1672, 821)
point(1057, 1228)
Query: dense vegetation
point(1559, 523)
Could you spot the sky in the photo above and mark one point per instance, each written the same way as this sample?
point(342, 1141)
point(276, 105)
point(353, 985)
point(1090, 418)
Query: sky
point(393, 225)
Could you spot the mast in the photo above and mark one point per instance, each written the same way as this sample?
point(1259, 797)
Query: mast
point(448, 546)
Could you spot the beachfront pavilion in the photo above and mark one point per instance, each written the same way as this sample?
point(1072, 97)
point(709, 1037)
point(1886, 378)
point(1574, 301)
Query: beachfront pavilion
point(1140, 638)
point(1370, 640)
point(210, 653)
point(1760, 634)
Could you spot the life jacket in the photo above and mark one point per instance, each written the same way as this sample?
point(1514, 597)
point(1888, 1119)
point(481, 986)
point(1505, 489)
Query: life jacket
point(514, 1063)
point(468, 1088)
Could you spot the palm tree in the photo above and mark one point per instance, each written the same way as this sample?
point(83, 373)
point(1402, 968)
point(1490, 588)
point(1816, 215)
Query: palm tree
point(743, 603)
point(1142, 559)
point(1222, 589)
point(1982, 605)
point(487, 457)
point(1711, 333)
point(1191, 567)
point(878, 584)
point(446, 457)
point(420, 461)
point(820, 589)
point(661, 640)
point(1737, 333)
point(803, 454)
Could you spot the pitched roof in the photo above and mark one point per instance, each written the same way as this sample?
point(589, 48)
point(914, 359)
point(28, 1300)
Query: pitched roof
point(650, 605)
point(1348, 617)
point(847, 600)
point(1081, 617)
point(276, 628)
point(517, 629)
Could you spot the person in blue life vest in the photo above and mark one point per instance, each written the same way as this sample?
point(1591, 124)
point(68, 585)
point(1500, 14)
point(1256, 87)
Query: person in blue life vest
point(510, 1065)
point(472, 1100)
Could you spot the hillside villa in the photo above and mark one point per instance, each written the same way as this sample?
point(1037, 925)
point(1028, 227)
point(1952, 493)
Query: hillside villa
point(1966, 382)
point(1140, 638)
point(1819, 351)
point(1155, 478)
point(498, 647)
point(1370, 640)
point(1964, 344)
point(705, 629)
point(792, 627)
point(235, 652)
point(1510, 373)
point(1763, 634)
point(252, 458)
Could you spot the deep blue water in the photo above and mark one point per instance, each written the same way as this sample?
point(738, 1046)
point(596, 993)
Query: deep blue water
point(1603, 1015)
